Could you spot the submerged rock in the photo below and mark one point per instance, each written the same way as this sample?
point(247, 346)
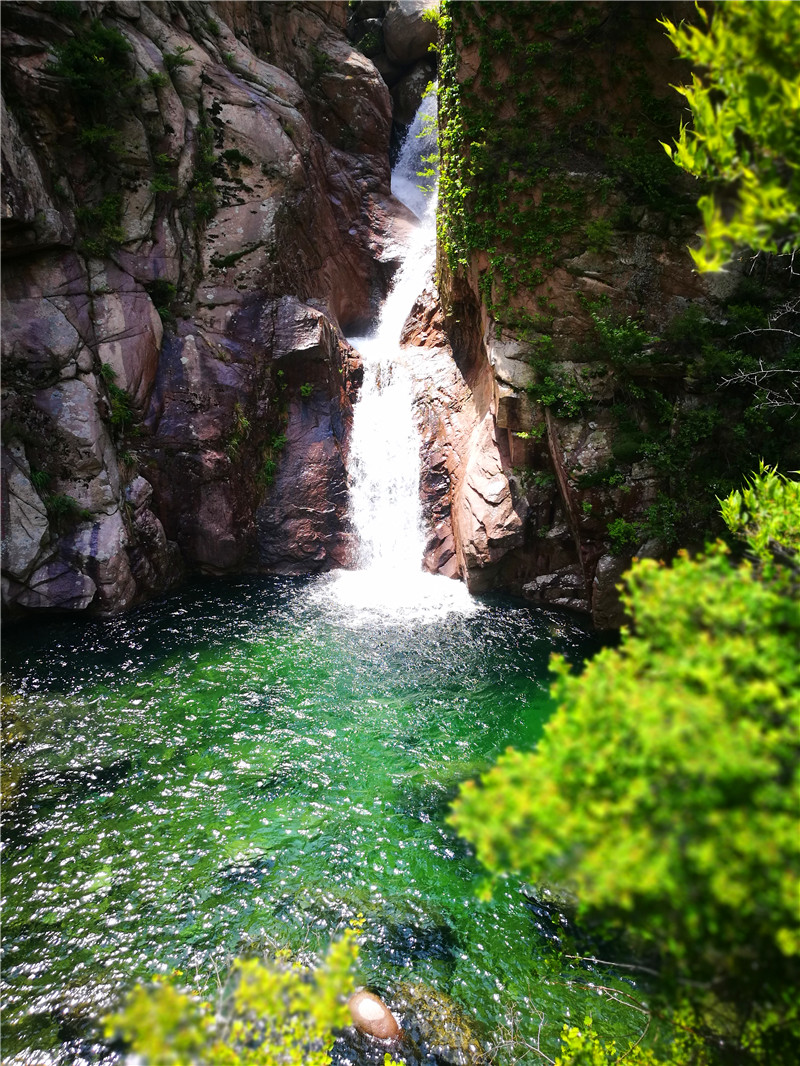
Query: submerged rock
point(438, 1026)
point(371, 1016)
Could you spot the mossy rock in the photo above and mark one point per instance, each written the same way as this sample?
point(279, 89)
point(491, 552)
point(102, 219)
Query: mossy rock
point(437, 1026)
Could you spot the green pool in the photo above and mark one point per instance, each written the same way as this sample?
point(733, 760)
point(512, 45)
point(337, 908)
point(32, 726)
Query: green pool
point(247, 765)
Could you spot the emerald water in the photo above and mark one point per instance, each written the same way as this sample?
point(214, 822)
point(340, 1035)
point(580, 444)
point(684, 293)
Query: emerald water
point(247, 765)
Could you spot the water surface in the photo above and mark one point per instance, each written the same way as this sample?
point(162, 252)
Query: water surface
point(249, 764)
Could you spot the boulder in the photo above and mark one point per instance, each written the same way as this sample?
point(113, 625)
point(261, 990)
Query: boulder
point(407, 34)
point(371, 1016)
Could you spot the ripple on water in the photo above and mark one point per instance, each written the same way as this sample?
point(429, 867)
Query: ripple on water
point(253, 763)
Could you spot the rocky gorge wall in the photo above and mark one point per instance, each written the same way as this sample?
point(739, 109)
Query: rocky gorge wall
point(196, 206)
point(594, 425)
point(196, 203)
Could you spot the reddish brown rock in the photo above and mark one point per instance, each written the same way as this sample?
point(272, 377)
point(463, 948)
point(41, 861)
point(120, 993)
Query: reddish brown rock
point(371, 1016)
point(240, 401)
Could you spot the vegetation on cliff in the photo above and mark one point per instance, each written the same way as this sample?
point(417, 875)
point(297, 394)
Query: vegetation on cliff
point(561, 213)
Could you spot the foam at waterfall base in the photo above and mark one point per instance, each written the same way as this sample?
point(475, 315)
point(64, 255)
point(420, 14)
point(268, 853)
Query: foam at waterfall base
point(364, 597)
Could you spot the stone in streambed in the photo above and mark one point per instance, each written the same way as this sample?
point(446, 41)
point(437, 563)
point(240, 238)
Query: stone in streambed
point(371, 1016)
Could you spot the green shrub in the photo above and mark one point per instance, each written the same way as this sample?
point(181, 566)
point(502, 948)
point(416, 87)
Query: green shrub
point(64, 511)
point(100, 139)
point(162, 183)
point(269, 469)
point(664, 793)
point(178, 58)
point(688, 330)
point(273, 1013)
point(599, 234)
point(306, 389)
point(157, 80)
point(233, 157)
point(544, 479)
point(40, 479)
point(119, 400)
point(620, 340)
point(93, 63)
point(203, 190)
point(561, 393)
point(623, 535)
point(102, 224)
point(743, 133)
point(163, 294)
point(662, 520)
point(240, 433)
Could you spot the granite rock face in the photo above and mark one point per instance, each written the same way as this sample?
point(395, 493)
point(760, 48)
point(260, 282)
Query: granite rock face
point(573, 246)
point(183, 245)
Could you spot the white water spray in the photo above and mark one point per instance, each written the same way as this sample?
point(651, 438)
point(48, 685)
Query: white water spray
point(384, 464)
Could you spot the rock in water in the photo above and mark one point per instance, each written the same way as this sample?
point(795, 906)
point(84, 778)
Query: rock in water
point(371, 1016)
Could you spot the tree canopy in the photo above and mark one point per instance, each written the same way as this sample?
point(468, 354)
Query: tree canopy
point(745, 131)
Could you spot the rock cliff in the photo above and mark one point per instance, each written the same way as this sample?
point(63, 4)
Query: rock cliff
point(195, 204)
point(594, 425)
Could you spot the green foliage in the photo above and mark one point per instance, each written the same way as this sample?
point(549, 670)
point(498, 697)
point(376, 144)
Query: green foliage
point(561, 393)
point(745, 135)
point(119, 400)
point(508, 125)
point(620, 340)
point(163, 294)
point(157, 80)
point(241, 431)
point(233, 157)
point(306, 389)
point(766, 515)
point(102, 224)
point(273, 1015)
point(100, 139)
point(162, 182)
point(93, 62)
point(178, 58)
point(269, 468)
point(40, 479)
point(65, 9)
point(599, 234)
point(583, 1047)
point(64, 511)
point(204, 191)
point(688, 329)
point(321, 63)
point(544, 479)
point(664, 793)
point(223, 261)
point(623, 535)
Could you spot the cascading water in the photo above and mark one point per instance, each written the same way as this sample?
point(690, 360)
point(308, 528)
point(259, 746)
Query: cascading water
point(385, 464)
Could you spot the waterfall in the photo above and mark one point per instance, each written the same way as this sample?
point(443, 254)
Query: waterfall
point(384, 466)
